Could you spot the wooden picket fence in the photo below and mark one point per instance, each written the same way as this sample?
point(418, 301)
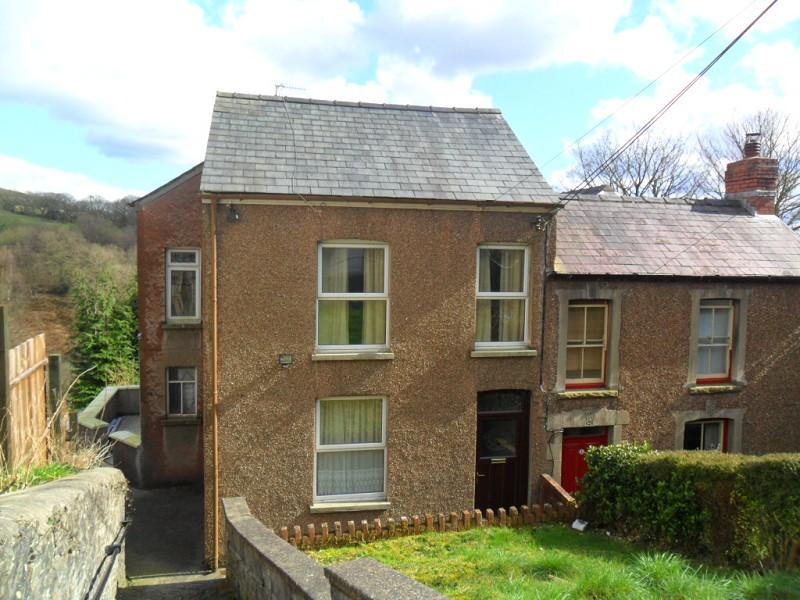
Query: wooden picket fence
point(351, 532)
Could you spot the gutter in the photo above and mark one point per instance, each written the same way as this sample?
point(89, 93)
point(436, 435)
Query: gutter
point(215, 378)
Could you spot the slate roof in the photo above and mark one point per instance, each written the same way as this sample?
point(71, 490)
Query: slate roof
point(607, 235)
point(265, 145)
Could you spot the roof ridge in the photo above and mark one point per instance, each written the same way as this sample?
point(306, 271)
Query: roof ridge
point(655, 200)
point(414, 107)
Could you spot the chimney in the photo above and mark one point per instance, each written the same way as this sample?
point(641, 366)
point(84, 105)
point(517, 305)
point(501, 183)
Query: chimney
point(753, 181)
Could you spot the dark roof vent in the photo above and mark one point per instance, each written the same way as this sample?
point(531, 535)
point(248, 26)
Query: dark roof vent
point(752, 145)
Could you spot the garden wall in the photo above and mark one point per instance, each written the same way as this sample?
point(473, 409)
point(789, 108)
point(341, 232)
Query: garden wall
point(53, 537)
point(262, 565)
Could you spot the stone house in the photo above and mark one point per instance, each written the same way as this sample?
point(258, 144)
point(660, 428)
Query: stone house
point(353, 310)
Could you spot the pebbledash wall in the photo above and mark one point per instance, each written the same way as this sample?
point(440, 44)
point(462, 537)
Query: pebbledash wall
point(53, 536)
point(653, 395)
point(171, 217)
point(267, 290)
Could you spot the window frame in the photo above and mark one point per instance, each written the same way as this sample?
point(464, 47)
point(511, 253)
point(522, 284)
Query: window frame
point(173, 415)
point(334, 348)
point(723, 434)
point(318, 447)
point(589, 383)
point(523, 295)
point(194, 267)
point(715, 304)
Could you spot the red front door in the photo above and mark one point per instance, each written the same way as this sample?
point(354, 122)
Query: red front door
point(573, 453)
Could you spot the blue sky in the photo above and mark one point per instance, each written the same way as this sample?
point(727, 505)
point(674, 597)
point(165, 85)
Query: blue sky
point(110, 97)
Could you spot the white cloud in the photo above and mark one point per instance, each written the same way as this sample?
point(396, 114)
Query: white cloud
point(22, 175)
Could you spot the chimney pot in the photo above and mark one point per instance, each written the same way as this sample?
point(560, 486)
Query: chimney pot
point(752, 144)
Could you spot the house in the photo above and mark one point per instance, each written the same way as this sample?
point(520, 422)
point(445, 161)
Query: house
point(674, 321)
point(368, 310)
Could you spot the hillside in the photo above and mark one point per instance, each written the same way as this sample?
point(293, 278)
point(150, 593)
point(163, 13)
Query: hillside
point(48, 242)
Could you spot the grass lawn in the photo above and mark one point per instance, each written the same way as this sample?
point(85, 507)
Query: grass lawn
point(557, 562)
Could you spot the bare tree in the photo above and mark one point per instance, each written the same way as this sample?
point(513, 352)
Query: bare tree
point(780, 138)
point(656, 166)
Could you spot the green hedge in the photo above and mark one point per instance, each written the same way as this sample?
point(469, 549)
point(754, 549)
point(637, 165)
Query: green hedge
point(743, 510)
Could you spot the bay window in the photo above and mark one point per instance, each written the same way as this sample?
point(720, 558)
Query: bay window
point(353, 299)
point(502, 297)
point(350, 449)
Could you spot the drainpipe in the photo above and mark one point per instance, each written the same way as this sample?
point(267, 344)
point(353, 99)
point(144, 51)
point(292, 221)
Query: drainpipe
point(214, 378)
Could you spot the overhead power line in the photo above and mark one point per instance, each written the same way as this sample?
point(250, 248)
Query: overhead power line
point(658, 115)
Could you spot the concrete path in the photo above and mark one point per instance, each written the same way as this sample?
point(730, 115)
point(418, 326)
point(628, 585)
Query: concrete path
point(211, 586)
point(166, 532)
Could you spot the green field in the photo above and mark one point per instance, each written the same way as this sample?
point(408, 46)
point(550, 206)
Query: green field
point(13, 225)
point(556, 562)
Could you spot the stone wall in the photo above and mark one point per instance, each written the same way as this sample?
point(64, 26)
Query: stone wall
point(53, 537)
point(262, 565)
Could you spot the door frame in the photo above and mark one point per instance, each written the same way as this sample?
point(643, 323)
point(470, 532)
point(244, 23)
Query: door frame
point(615, 420)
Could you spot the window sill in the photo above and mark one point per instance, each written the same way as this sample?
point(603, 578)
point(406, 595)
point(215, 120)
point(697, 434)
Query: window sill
point(588, 393)
point(323, 356)
point(502, 352)
point(188, 325)
point(715, 388)
point(332, 507)
point(177, 421)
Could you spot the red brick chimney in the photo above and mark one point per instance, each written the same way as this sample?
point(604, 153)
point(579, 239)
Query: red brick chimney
point(753, 181)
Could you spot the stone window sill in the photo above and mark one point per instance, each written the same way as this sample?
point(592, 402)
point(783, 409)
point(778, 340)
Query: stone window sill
point(169, 325)
point(178, 421)
point(588, 393)
point(716, 388)
point(502, 352)
point(325, 356)
point(332, 507)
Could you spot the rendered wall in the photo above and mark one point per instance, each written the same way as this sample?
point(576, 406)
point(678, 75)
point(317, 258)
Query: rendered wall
point(267, 306)
point(53, 536)
point(654, 357)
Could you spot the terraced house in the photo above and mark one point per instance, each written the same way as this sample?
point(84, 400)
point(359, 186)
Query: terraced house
point(353, 310)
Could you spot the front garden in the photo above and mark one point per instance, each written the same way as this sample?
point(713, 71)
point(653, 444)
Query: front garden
point(553, 561)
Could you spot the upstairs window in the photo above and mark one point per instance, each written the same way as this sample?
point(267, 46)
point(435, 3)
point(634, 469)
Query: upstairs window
point(353, 299)
point(587, 344)
point(715, 340)
point(183, 285)
point(502, 296)
point(705, 435)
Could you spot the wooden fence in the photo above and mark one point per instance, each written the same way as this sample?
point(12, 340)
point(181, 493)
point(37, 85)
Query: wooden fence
point(24, 398)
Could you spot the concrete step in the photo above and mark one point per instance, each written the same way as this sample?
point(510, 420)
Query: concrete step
point(194, 586)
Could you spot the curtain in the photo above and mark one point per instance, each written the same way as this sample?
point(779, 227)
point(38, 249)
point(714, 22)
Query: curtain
point(512, 312)
point(350, 471)
point(333, 313)
point(182, 293)
point(350, 421)
point(484, 316)
point(357, 472)
point(373, 325)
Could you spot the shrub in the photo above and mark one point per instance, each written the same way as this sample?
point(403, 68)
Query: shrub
point(734, 508)
point(105, 337)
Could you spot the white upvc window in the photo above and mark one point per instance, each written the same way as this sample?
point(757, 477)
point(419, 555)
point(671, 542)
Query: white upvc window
point(183, 285)
point(502, 296)
point(352, 296)
point(181, 391)
point(587, 344)
point(715, 339)
point(350, 457)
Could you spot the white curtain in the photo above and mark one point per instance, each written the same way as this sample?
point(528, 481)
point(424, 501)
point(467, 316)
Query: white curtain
point(512, 312)
point(333, 313)
point(357, 421)
point(373, 325)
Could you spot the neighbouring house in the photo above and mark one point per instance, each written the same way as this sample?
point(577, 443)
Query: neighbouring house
point(673, 321)
point(346, 300)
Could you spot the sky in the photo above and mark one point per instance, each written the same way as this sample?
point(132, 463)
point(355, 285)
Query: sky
point(114, 97)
